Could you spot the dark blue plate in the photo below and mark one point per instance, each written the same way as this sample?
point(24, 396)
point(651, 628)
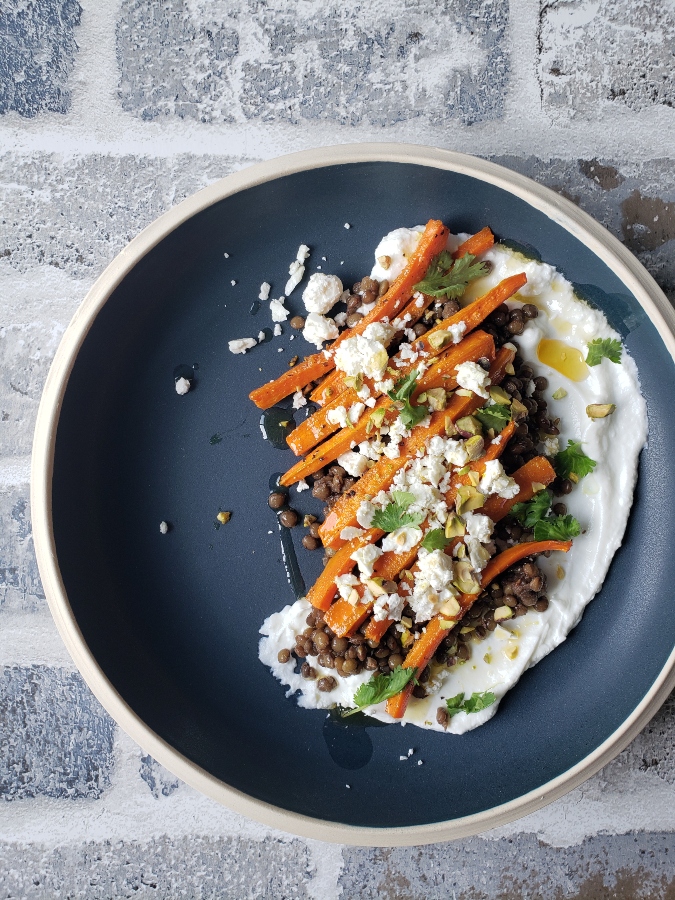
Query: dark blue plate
point(172, 620)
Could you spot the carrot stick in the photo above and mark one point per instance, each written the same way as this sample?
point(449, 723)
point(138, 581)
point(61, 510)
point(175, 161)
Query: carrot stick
point(478, 345)
point(476, 244)
point(344, 617)
point(441, 374)
point(375, 631)
point(430, 244)
point(323, 590)
point(528, 477)
point(424, 648)
point(380, 476)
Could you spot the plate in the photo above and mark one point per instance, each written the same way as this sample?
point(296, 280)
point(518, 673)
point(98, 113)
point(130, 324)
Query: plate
point(164, 628)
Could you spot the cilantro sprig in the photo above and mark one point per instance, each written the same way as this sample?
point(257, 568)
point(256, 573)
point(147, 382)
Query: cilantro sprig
point(573, 461)
point(529, 512)
point(557, 528)
point(603, 348)
point(448, 277)
point(380, 688)
point(435, 539)
point(394, 515)
point(496, 416)
point(402, 391)
point(475, 703)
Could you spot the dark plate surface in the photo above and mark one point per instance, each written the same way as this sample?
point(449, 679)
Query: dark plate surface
point(173, 620)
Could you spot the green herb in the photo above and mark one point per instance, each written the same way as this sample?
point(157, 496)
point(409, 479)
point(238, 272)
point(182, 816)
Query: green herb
point(448, 277)
point(573, 461)
point(496, 416)
point(532, 511)
point(380, 688)
point(215, 438)
point(473, 704)
point(394, 515)
point(601, 348)
point(556, 528)
point(410, 415)
point(435, 539)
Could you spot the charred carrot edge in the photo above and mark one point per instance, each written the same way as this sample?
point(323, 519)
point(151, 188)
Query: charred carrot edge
point(431, 243)
point(440, 374)
point(424, 648)
point(323, 590)
point(478, 243)
point(477, 345)
point(343, 617)
point(380, 476)
point(375, 631)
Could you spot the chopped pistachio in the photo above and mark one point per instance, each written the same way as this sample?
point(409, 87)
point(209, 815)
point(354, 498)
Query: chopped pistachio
point(224, 517)
point(422, 398)
point(375, 419)
point(353, 597)
point(406, 621)
point(600, 410)
point(447, 623)
point(407, 638)
point(511, 650)
point(464, 470)
point(475, 447)
point(538, 486)
point(499, 395)
point(508, 368)
point(450, 608)
point(468, 498)
point(574, 477)
point(559, 394)
point(354, 381)
point(437, 340)
point(518, 410)
point(384, 261)
point(470, 425)
point(460, 551)
point(502, 613)
point(292, 361)
point(464, 392)
point(375, 589)
point(437, 399)
point(454, 527)
point(449, 427)
point(465, 582)
point(474, 478)
point(309, 520)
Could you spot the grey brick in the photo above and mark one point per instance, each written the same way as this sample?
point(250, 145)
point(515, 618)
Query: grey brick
point(160, 781)
point(597, 54)
point(55, 740)
point(638, 866)
point(193, 867)
point(653, 750)
point(77, 213)
point(300, 61)
point(37, 46)
point(20, 586)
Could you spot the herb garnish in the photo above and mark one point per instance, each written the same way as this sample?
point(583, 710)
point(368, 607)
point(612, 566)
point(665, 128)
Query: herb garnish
point(532, 511)
point(394, 515)
point(380, 688)
point(435, 539)
point(573, 461)
point(475, 703)
point(557, 528)
point(410, 415)
point(448, 277)
point(496, 416)
point(602, 348)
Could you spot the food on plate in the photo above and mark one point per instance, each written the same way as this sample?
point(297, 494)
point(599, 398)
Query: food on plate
point(473, 429)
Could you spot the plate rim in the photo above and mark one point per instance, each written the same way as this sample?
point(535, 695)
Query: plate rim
point(562, 211)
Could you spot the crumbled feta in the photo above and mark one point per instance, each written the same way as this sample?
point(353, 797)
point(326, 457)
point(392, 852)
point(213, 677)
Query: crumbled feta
point(241, 345)
point(366, 557)
point(319, 329)
point(496, 481)
point(322, 293)
point(365, 353)
point(261, 337)
point(388, 606)
point(340, 319)
point(402, 540)
point(365, 513)
point(337, 416)
point(385, 386)
point(278, 310)
point(365, 308)
point(355, 412)
point(455, 453)
point(347, 225)
point(474, 378)
point(551, 445)
point(299, 400)
point(478, 526)
point(233, 282)
point(349, 533)
point(346, 584)
point(163, 527)
point(302, 486)
point(435, 569)
point(478, 554)
point(296, 270)
point(277, 330)
point(353, 463)
point(226, 255)
point(457, 331)
point(398, 246)
point(183, 385)
point(265, 289)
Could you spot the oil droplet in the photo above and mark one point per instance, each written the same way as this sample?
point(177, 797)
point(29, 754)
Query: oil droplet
point(255, 307)
point(288, 554)
point(563, 358)
point(562, 326)
point(276, 424)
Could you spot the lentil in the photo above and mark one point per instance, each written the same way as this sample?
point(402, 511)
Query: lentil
point(297, 322)
point(284, 655)
point(288, 518)
point(276, 500)
point(310, 543)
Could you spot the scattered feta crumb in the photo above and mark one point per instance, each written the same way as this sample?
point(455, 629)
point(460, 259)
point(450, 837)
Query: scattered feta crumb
point(410, 751)
point(278, 310)
point(322, 293)
point(265, 288)
point(261, 337)
point(270, 532)
point(277, 330)
point(241, 345)
point(183, 385)
point(347, 225)
point(348, 785)
point(402, 758)
point(296, 270)
point(420, 762)
point(319, 329)
point(323, 258)
point(226, 255)
point(349, 532)
point(302, 486)
point(292, 337)
point(280, 350)
point(496, 481)
point(299, 400)
point(340, 318)
point(457, 331)
point(233, 282)
point(353, 463)
point(163, 527)
point(473, 377)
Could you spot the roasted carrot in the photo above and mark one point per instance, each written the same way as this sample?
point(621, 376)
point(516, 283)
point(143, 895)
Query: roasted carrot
point(344, 617)
point(424, 648)
point(431, 243)
point(441, 374)
point(380, 476)
point(323, 590)
point(476, 244)
point(375, 631)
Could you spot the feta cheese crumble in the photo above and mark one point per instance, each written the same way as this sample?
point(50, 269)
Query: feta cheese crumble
point(183, 385)
point(474, 378)
point(277, 330)
point(278, 310)
point(353, 463)
point(241, 345)
point(163, 527)
point(365, 354)
point(365, 558)
point(296, 270)
point(318, 329)
point(496, 481)
point(299, 400)
point(265, 289)
point(322, 293)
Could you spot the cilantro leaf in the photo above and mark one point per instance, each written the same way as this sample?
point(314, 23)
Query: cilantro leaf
point(410, 415)
point(601, 348)
point(573, 461)
point(496, 416)
point(380, 688)
point(404, 387)
point(532, 511)
point(557, 528)
point(394, 515)
point(435, 539)
point(475, 703)
point(448, 277)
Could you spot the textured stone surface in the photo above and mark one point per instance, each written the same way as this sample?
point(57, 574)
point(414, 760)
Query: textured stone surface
point(20, 587)
point(294, 61)
point(55, 740)
point(593, 54)
point(37, 46)
point(193, 867)
point(620, 867)
point(160, 781)
point(653, 750)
